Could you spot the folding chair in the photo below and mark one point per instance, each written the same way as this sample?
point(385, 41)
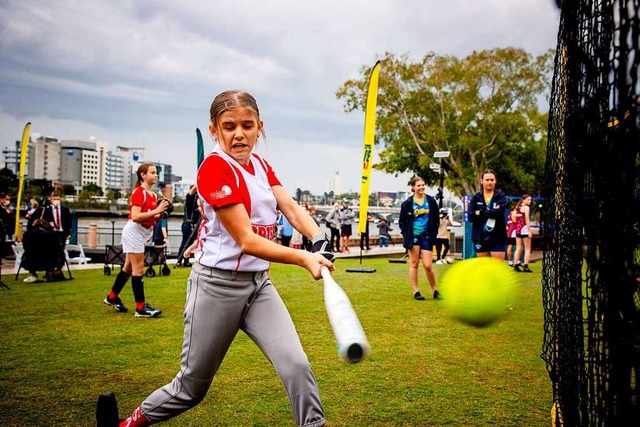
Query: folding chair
point(18, 250)
point(80, 258)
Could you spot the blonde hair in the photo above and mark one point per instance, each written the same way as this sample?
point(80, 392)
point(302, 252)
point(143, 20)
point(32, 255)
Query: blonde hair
point(231, 99)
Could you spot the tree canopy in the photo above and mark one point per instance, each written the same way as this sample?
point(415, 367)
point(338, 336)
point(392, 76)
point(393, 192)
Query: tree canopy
point(484, 109)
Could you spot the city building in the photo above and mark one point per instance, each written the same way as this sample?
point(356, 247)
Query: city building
point(12, 157)
point(334, 185)
point(181, 188)
point(81, 162)
point(44, 159)
point(114, 172)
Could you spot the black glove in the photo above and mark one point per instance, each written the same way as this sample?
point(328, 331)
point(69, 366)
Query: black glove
point(169, 209)
point(322, 245)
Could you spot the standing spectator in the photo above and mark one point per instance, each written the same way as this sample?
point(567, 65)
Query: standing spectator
point(333, 222)
point(190, 222)
point(419, 225)
point(33, 207)
point(313, 213)
point(384, 234)
point(520, 215)
point(286, 230)
point(305, 240)
point(229, 288)
point(346, 215)
point(59, 216)
point(144, 211)
point(364, 237)
point(7, 217)
point(487, 215)
point(442, 239)
point(160, 235)
point(511, 237)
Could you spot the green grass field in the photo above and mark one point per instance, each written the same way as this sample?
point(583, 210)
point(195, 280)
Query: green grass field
point(62, 347)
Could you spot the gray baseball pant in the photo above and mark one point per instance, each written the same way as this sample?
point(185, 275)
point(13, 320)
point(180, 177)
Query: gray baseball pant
point(219, 303)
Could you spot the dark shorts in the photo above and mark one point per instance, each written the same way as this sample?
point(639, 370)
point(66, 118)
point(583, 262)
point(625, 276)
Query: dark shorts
point(488, 246)
point(345, 230)
point(522, 236)
point(511, 240)
point(423, 242)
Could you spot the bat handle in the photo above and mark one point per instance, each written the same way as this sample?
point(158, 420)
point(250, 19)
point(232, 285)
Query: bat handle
point(326, 274)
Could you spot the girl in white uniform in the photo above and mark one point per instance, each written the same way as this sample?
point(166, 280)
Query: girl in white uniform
point(229, 288)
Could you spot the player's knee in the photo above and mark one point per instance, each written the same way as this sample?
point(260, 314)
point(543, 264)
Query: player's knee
point(295, 366)
point(194, 391)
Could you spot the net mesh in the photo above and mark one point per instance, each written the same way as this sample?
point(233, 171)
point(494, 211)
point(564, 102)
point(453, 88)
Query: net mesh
point(591, 215)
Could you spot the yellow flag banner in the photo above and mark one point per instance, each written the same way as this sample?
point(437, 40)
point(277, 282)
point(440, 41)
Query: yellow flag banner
point(369, 139)
point(24, 148)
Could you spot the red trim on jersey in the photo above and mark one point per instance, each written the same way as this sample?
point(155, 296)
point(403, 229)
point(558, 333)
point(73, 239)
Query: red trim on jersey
point(220, 183)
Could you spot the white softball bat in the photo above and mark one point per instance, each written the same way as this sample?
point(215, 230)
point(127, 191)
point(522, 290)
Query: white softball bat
point(350, 337)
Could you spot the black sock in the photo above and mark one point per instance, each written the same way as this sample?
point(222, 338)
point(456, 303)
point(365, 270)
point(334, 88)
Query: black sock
point(121, 280)
point(138, 288)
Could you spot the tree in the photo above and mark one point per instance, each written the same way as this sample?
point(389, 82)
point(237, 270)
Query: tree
point(483, 109)
point(8, 181)
point(92, 189)
point(69, 190)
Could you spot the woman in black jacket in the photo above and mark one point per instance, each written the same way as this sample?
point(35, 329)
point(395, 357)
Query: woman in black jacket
point(419, 226)
point(487, 214)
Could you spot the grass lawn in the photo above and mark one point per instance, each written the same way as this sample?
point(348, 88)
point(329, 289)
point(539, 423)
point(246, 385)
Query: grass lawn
point(62, 347)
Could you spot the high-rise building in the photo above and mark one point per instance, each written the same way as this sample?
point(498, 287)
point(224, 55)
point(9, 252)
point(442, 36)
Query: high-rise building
point(114, 172)
point(44, 159)
point(12, 157)
point(334, 184)
point(132, 158)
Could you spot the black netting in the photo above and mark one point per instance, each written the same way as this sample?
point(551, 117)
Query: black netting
point(591, 214)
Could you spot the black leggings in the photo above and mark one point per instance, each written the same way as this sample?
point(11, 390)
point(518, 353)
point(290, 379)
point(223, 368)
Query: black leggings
point(335, 239)
point(439, 244)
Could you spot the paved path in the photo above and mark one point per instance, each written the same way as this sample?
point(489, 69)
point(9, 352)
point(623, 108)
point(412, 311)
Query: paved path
point(394, 251)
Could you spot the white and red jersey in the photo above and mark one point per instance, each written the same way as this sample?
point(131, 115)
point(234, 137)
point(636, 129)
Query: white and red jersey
point(146, 201)
point(221, 182)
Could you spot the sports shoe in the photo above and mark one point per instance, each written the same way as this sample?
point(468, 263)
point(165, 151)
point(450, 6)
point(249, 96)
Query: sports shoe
point(436, 294)
point(30, 279)
point(526, 269)
point(510, 263)
point(107, 411)
point(440, 261)
point(148, 311)
point(418, 296)
point(517, 268)
point(116, 303)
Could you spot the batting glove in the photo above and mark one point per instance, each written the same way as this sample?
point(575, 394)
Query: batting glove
point(321, 244)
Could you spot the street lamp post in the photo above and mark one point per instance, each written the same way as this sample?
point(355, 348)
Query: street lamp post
point(440, 155)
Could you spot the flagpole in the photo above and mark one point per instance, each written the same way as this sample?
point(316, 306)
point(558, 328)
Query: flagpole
point(367, 158)
point(24, 148)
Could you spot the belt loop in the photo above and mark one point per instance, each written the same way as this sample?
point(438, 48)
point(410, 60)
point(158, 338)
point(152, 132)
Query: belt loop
point(234, 274)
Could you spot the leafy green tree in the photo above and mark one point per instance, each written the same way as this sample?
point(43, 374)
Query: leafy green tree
point(92, 189)
point(8, 181)
point(484, 109)
point(68, 190)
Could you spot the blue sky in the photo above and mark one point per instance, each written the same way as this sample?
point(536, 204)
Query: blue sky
point(144, 73)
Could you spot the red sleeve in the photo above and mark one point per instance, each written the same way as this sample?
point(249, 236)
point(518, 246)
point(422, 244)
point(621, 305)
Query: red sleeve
point(217, 182)
point(137, 197)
